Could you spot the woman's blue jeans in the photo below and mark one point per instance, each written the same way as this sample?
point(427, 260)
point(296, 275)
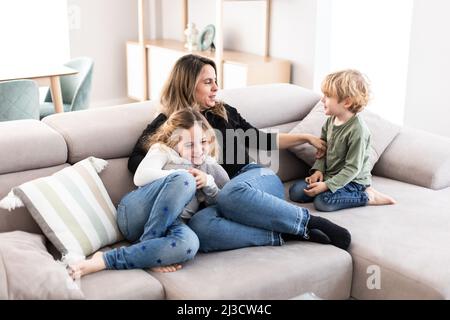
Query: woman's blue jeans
point(149, 216)
point(350, 196)
point(250, 211)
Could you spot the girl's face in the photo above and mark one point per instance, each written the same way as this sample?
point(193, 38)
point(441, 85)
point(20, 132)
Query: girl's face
point(206, 90)
point(333, 107)
point(193, 145)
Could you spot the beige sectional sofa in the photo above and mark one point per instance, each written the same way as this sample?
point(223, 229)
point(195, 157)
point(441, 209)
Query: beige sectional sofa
point(398, 251)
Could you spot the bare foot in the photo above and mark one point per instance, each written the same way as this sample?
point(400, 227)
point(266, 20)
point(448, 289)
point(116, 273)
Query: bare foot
point(169, 268)
point(377, 198)
point(82, 268)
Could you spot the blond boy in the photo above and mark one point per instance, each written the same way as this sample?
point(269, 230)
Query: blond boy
point(341, 179)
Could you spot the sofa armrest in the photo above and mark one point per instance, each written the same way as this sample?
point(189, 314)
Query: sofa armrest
point(417, 157)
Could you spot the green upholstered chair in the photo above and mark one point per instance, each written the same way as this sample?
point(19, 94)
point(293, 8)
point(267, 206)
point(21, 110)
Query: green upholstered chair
point(75, 89)
point(19, 99)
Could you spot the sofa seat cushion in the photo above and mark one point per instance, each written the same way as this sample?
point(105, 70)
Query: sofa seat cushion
point(132, 284)
point(263, 273)
point(406, 242)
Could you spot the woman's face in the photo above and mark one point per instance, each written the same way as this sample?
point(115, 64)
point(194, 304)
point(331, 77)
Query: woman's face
point(206, 90)
point(193, 145)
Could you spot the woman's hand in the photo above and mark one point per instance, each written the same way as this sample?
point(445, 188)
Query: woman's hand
point(319, 144)
point(200, 177)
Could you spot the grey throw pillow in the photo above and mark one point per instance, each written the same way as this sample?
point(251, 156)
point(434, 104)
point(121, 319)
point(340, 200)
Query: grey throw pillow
point(28, 271)
point(382, 132)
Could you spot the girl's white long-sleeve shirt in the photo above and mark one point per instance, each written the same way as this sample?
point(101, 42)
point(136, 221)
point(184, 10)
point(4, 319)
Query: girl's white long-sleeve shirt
point(160, 161)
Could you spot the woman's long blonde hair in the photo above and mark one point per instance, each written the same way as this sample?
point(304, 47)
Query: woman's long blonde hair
point(178, 92)
point(168, 133)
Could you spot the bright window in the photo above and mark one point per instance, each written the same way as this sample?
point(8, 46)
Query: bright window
point(33, 32)
point(372, 36)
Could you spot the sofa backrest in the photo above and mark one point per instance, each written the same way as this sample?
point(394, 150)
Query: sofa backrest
point(107, 133)
point(272, 104)
point(22, 144)
point(29, 149)
point(417, 157)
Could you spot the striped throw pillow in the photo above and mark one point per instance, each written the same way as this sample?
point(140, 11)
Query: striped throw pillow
point(72, 207)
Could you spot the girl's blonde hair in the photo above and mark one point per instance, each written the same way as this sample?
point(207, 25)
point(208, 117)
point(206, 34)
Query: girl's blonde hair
point(169, 132)
point(179, 90)
point(348, 84)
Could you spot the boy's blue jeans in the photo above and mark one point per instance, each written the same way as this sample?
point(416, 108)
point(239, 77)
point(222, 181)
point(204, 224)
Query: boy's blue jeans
point(350, 196)
point(250, 211)
point(149, 216)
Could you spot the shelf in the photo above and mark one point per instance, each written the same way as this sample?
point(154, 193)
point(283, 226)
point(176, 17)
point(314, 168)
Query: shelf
point(150, 61)
point(229, 56)
point(239, 69)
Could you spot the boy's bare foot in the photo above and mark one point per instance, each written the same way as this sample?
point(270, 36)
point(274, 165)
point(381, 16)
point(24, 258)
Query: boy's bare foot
point(378, 198)
point(169, 268)
point(82, 268)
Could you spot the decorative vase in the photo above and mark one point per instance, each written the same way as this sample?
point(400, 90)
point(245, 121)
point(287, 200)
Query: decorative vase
point(191, 34)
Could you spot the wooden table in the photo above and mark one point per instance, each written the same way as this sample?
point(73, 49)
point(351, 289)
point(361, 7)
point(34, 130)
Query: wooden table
point(52, 73)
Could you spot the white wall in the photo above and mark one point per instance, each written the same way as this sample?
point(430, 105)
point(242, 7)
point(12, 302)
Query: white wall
point(427, 101)
point(292, 36)
point(101, 31)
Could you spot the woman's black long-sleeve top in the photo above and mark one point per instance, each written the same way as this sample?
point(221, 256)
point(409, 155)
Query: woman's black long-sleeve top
point(238, 140)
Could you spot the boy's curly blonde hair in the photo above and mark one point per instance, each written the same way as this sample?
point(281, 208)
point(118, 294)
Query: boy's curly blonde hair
point(345, 84)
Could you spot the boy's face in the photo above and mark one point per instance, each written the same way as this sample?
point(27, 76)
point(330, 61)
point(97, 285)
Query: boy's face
point(335, 108)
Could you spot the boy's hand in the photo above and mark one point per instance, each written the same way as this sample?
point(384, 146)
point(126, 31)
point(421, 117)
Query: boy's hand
point(319, 144)
point(200, 177)
point(315, 188)
point(317, 176)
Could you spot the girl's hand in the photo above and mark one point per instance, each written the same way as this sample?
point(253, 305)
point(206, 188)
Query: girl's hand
point(315, 188)
point(319, 144)
point(200, 177)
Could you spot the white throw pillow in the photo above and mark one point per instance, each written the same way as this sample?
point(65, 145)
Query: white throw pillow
point(382, 133)
point(72, 207)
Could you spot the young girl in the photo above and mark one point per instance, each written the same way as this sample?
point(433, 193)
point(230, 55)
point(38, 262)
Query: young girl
point(178, 173)
point(186, 142)
point(342, 178)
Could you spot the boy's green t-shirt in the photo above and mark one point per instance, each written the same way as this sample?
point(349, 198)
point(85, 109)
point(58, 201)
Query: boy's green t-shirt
point(347, 157)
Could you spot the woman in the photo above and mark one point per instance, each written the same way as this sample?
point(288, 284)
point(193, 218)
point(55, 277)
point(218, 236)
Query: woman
point(250, 210)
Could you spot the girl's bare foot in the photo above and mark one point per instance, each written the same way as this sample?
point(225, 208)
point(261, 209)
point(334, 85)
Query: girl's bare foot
point(82, 268)
point(169, 268)
point(378, 198)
